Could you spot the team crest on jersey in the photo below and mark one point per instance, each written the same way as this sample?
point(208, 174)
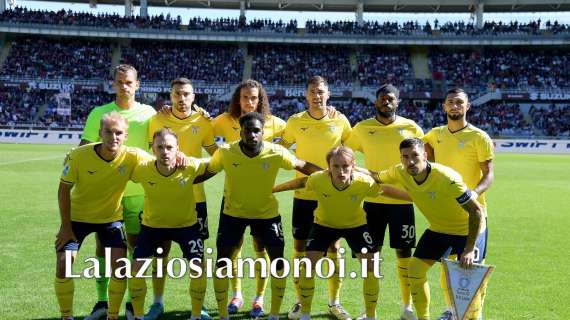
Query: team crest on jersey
point(332, 128)
point(265, 166)
point(195, 130)
point(65, 170)
point(183, 182)
point(431, 195)
point(121, 169)
point(354, 198)
point(401, 131)
point(461, 144)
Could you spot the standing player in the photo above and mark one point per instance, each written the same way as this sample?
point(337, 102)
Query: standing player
point(455, 217)
point(378, 139)
point(249, 96)
point(169, 215)
point(125, 84)
point(251, 202)
point(468, 150)
point(194, 132)
point(314, 132)
point(340, 191)
point(90, 191)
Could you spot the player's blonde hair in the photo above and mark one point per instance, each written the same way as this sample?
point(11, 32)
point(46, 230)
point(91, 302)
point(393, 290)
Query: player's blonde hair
point(163, 133)
point(113, 116)
point(340, 151)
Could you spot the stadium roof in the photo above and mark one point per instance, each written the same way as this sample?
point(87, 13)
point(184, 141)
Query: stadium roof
point(351, 5)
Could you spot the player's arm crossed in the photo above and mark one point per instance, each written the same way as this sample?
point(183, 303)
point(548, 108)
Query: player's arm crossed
point(386, 189)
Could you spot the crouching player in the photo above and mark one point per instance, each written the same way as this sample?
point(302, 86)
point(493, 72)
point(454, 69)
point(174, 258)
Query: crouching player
point(169, 214)
point(340, 193)
point(90, 191)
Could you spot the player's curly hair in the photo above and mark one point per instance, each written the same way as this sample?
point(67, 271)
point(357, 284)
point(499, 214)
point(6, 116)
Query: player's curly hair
point(262, 106)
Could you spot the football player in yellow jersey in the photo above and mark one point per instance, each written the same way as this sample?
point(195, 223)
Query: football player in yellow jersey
point(169, 215)
point(455, 217)
point(249, 96)
point(469, 151)
point(194, 132)
point(90, 191)
point(340, 191)
point(125, 84)
point(378, 139)
point(251, 202)
point(315, 132)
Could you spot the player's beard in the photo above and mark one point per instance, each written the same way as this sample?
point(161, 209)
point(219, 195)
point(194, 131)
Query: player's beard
point(455, 117)
point(386, 114)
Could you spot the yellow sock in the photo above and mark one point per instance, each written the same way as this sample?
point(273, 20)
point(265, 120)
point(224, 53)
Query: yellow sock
point(102, 283)
point(297, 255)
point(64, 289)
point(261, 282)
point(197, 293)
point(335, 282)
point(402, 266)
point(306, 291)
point(221, 293)
point(277, 293)
point(137, 288)
point(370, 289)
point(419, 286)
point(235, 281)
point(117, 289)
point(158, 283)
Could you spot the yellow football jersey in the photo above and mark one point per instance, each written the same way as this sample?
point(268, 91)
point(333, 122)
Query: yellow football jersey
point(249, 181)
point(193, 133)
point(380, 145)
point(168, 201)
point(439, 197)
point(462, 151)
point(228, 127)
point(314, 138)
point(341, 209)
point(99, 185)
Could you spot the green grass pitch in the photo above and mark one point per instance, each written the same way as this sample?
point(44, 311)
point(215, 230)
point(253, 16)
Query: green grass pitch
point(528, 222)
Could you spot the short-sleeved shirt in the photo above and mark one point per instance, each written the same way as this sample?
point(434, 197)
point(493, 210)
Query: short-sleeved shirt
point(169, 201)
point(228, 128)
point(341, 209)
point(380, 145)
point(463, 151)
point(98, 184)
point(439, 197)
point(138, 118)
point(249, 181)
point(193, 133)
point(314, 138)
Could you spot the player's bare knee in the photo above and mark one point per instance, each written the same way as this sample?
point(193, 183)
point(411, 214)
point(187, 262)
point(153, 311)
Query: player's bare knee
point(61, 264)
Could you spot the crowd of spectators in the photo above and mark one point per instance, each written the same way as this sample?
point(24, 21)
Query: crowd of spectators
point(58, 59)
point(293, 65)
point(553, 120)
point(369, 28)
point(377, 66)
point(164, 61)
point(502, 68)
point(500, 119)
point(102, 20)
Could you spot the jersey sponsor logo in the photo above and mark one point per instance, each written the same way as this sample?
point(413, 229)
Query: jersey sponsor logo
point(65, 170)
point(91, 172)
point(304, 129)
point(121, 169)
point(371, 132)
point(235, 164)
point(325, 195)
point(151, 183)
point(439, 141)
